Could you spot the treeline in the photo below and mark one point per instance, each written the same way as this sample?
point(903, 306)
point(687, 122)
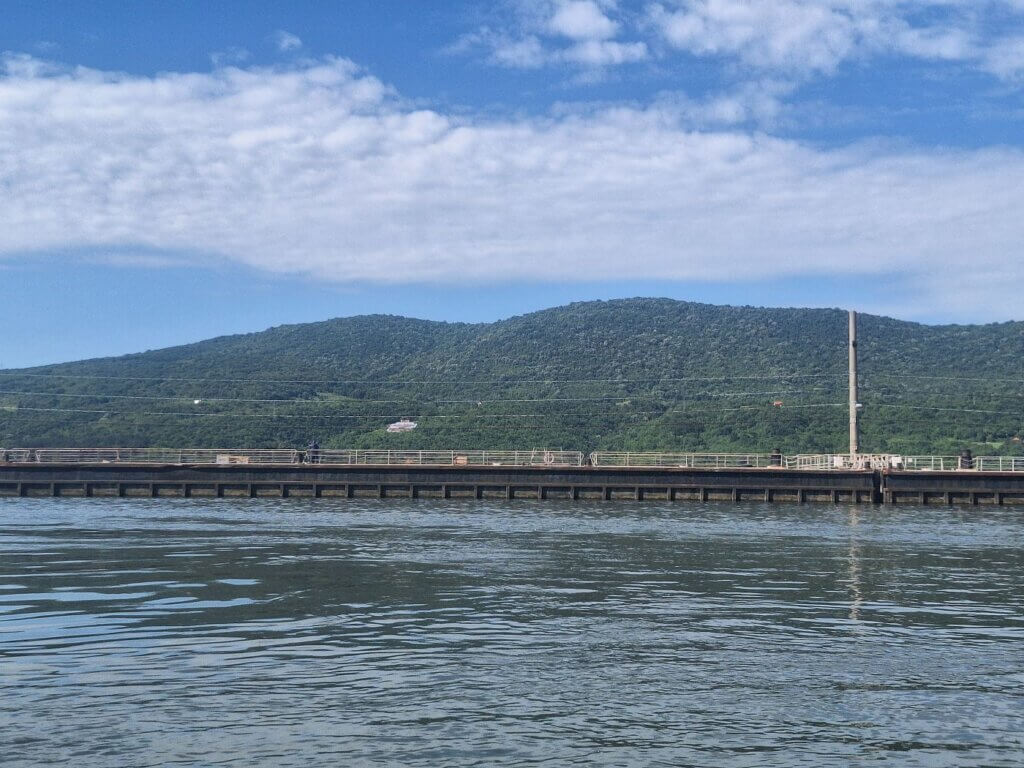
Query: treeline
point(638, 374)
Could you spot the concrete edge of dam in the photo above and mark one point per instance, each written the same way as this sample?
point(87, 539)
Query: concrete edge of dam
point(509, 483)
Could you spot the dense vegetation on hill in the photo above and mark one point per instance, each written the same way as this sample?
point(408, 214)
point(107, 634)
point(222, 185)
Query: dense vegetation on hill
point(637, 374)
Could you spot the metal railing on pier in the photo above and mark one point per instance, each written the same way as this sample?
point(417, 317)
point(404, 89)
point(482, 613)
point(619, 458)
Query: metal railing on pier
point(882, 461)
point(538, 458)
point(682, 460)
point(999, 463)
point(927, 463)
point(15, 455)
point(531, 458)
point(154, 456)
point(825, 461)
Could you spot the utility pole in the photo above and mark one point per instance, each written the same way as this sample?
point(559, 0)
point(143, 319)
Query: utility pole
point(854, 405)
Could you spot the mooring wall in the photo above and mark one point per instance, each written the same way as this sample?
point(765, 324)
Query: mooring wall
point(315, 480)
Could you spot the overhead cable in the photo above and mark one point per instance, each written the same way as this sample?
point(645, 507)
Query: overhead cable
point(469, 401)
point(426, 417)
point(446, 382)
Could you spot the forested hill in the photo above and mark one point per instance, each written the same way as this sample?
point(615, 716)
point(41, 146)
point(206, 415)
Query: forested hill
point(637, 374)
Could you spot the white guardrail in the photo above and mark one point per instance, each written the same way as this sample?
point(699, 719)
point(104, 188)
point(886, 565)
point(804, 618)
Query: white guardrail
point(822, 461)
point(810, 461)
point(539, 458)
point(682, 460)
point(153, 456)
point(532, 458)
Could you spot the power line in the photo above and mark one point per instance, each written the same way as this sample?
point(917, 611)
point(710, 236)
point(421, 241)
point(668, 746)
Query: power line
point(938, 408)
point(471, 401)
point(509, 382)
point(427, 417)
point(869, 375)
point(737, 377)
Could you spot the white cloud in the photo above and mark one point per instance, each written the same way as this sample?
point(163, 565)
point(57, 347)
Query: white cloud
point(779, 38)
point(286, 41)
point(321, 170)
point(787, 34)
point(527, 53)
point(1006, 58)
point(758, 103)
point(815, 36)
point(600, 53)
point(582, 20)
point(229, 56)
point(556, 32)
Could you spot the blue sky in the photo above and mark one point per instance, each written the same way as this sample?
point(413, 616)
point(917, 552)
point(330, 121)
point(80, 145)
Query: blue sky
point(175, 171)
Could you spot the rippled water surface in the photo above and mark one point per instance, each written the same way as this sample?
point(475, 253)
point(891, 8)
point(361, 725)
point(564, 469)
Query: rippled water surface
point(261, 632)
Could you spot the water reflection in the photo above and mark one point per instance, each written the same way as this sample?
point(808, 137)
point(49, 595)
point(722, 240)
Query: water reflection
point(853, 566)
point(293, 633)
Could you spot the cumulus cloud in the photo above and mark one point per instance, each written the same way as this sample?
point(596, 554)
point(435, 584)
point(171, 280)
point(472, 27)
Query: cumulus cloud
point(789, 34)
point(600, 53)
point(582, 20)
point(815, 36)
point(579, 33)
point(523, 53)
point(798, 39)
point(286, 41)
point(321, 169)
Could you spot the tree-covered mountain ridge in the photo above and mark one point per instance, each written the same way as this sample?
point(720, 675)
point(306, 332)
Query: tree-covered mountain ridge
point(632, 374)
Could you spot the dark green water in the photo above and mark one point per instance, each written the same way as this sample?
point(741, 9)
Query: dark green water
point(298, 633)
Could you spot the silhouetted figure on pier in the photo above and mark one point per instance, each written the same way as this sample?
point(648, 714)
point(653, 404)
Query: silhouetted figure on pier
point(313, 453)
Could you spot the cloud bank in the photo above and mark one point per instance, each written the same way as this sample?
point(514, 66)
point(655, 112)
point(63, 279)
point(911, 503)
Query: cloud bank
point(321, 169)
point(799, 39)
point(816, 36)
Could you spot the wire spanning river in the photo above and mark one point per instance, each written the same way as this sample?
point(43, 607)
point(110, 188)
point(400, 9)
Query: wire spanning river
point(136, 633)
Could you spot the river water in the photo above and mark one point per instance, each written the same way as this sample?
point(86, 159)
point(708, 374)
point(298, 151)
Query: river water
point(428, 633)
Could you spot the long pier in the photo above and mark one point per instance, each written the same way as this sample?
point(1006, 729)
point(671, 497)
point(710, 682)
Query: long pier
point(423, 481)
point(508, 475)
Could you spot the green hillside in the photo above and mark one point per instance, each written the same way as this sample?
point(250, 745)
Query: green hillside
point(637, 374)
